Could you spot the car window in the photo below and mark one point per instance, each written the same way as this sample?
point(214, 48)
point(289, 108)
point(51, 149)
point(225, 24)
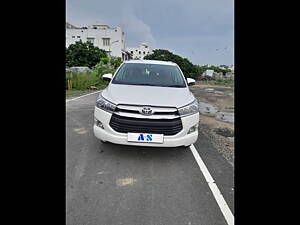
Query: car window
point(149, 74)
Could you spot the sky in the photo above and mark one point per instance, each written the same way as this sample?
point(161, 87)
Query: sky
point(200, 30)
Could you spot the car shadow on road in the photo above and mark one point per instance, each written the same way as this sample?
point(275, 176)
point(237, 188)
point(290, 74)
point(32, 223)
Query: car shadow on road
point(127, 151)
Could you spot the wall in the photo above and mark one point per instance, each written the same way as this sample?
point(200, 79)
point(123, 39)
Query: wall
point(115, 34)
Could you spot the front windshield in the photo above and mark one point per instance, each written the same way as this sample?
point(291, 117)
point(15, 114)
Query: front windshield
point(149, 75)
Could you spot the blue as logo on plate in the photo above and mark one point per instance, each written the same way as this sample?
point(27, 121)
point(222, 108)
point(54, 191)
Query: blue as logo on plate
point(148, 137)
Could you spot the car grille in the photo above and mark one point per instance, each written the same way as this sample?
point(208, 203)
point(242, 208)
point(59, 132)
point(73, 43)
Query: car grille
point(137, 125)
point(158, 112)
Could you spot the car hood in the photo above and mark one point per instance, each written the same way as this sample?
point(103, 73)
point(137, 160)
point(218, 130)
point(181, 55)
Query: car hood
point(148, 95)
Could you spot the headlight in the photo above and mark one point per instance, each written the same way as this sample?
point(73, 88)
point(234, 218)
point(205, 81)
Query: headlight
point(189, 109)
point(103, 104)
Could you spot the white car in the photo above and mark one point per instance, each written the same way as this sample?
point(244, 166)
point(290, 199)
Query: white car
point(147, 103)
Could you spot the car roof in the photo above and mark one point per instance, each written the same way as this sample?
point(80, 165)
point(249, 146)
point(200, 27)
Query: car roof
point(152, 62)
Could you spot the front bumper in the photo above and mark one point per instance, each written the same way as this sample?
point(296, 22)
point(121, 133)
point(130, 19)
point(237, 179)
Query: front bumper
point(180, 139)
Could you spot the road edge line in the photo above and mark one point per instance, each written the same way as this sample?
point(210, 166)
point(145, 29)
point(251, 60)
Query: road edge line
point(214, 188)
point(68, 100)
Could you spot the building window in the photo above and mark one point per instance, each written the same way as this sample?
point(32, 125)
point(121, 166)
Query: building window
point(78, 36)
point(91, 40)
point(139, 52)
point(131, 52)
point(73, 36)
point(144, 53)
point(106, 41)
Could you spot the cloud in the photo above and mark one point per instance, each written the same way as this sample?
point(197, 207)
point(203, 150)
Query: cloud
point(136, 30)
point(193, 29)
point(202, 49)
point(113, 13)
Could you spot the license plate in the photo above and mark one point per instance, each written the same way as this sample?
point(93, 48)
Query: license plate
point(145, 137)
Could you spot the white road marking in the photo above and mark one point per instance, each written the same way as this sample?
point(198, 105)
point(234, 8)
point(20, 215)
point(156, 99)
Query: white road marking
point(101, 172)
point(82, 96)
point(214, 188)
point(126, 181)
point(80, 130)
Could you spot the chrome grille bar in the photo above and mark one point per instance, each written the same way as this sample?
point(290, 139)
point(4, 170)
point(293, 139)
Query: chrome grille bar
point(158, 112)
point(155, 108)
point(154, 116)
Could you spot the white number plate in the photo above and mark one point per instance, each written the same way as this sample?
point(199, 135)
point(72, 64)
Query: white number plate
point(145, 137)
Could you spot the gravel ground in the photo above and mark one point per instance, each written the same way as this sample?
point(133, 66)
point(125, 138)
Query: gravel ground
point(218, 130)
point(224, 145)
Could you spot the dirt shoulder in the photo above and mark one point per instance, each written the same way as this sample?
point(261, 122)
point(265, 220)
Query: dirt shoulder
point(218, 100)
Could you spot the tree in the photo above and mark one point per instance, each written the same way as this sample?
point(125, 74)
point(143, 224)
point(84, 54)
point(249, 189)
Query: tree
point(83, 54)
point(188, 68)
point(201, 69)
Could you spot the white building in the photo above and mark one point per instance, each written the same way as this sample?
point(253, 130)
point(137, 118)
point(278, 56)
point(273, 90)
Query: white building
point(139, 52)
point(208, 73)
point(104, 37)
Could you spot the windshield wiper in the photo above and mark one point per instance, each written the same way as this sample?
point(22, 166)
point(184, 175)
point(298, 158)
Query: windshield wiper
point(155, 85)
point(142, 84)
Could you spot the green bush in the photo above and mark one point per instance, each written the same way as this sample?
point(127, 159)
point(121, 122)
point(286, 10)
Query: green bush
point(105, 60)
point(115, 61)
point(102, 68)
point(84, 80)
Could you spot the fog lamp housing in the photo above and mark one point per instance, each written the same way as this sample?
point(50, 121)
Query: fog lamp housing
point(193, 129)
point(98, 123)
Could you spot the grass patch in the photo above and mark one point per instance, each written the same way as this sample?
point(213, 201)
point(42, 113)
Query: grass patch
point(226, 83)
point(84, 82)
point(208, 114)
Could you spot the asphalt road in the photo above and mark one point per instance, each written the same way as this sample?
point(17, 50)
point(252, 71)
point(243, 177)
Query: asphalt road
point(108, 184)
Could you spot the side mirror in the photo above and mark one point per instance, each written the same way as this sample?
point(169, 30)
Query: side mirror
point(107, 77)
point(190, 81)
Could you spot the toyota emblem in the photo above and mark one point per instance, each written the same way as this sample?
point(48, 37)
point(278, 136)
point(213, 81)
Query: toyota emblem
point(147, 111)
